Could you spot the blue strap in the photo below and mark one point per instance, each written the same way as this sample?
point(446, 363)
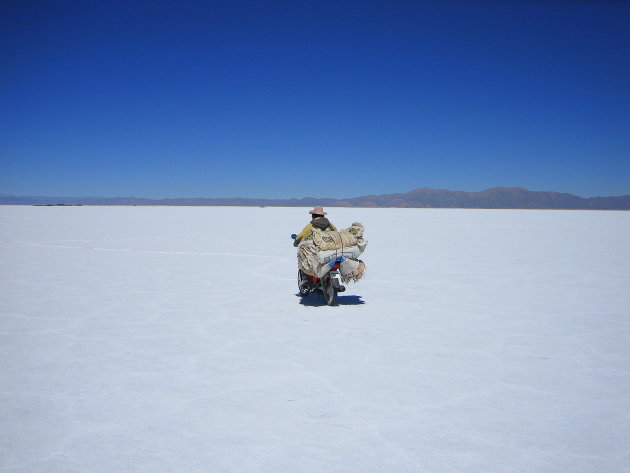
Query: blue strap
point(341, 259)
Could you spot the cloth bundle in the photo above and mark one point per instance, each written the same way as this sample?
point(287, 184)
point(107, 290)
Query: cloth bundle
point(315, 255)
point(327, 256)
point(338, 240)
point(351, 270)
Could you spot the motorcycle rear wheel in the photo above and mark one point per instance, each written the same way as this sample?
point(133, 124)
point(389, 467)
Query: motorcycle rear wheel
point(329, 291)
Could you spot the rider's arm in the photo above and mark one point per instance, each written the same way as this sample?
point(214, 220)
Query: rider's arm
point(303, 234)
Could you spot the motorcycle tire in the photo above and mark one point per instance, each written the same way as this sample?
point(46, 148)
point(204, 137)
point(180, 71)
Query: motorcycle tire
point(303, 284)
point(329, 291)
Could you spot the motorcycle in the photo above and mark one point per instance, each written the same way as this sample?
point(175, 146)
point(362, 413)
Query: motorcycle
point(327, 286)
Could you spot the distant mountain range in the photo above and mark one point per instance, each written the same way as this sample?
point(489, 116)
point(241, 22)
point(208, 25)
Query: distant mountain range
point(495, 198)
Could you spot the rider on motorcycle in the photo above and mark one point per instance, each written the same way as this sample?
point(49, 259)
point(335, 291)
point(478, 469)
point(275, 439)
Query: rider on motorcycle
point(318, 220)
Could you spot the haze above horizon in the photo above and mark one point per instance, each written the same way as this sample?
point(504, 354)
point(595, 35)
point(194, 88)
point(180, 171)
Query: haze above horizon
point(335, 99)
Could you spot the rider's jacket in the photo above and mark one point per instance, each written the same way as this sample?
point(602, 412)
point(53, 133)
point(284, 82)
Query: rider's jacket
point(320, 222)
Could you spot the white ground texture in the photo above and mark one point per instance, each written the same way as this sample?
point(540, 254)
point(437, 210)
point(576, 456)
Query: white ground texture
point(172, 339)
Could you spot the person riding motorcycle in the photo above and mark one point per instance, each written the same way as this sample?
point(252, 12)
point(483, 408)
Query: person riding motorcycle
point(318, 220)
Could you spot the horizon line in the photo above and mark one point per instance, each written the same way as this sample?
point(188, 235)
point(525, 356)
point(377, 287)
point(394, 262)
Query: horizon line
point(299, 198)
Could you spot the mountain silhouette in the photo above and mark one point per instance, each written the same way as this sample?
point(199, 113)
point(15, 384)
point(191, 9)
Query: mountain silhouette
point(494, 198)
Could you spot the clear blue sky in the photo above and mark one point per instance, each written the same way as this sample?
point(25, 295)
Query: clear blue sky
point(318, 98)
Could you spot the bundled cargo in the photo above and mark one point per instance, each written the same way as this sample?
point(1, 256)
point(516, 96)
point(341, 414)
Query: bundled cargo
point(351, 270)
point(315, 255)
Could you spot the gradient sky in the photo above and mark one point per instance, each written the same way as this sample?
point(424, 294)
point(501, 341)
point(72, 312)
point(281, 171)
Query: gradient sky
point(321, 98)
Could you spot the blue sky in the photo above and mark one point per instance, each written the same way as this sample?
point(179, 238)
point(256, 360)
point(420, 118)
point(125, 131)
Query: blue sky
point(324, 99)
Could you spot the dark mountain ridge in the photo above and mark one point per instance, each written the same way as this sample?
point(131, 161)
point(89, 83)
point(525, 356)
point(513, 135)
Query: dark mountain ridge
point(494, 198)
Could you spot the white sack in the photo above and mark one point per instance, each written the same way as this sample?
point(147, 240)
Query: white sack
point(349, 252)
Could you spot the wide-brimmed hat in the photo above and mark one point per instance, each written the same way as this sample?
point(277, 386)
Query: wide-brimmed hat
point(318, 211)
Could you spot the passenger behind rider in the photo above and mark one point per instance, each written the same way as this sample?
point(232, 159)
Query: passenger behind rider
point(318, 220)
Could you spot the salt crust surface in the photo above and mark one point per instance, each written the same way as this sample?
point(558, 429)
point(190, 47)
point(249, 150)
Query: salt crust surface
point(141, 339)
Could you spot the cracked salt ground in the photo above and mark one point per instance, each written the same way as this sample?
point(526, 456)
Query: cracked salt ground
point(141, 339)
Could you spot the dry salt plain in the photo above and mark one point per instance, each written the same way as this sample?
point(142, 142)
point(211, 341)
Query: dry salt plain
point(166, 339)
